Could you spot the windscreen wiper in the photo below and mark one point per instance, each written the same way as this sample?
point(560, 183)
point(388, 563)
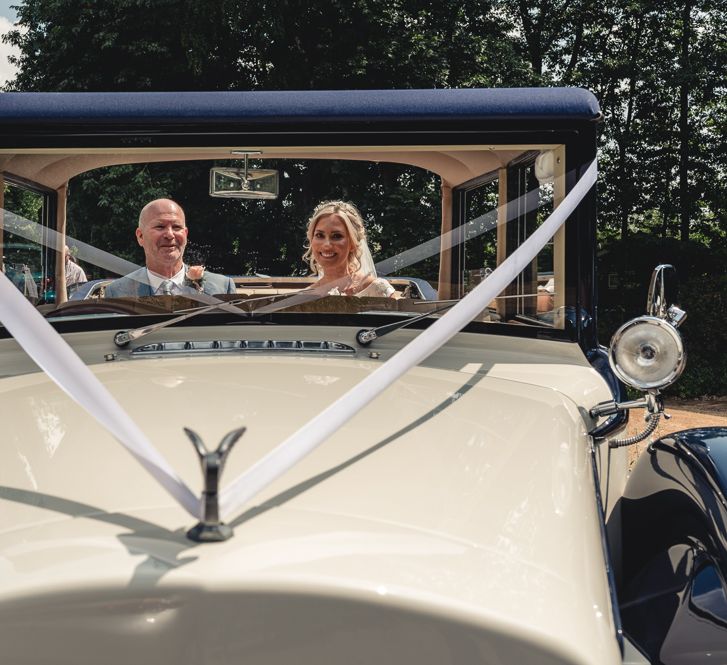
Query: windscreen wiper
point(367, 335)
point(123, 337)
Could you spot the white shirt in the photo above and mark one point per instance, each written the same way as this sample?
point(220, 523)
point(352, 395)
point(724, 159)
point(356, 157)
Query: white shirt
point(74, 274)
point(155, 281)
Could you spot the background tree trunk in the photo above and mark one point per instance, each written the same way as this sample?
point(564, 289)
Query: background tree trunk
point(684, 85)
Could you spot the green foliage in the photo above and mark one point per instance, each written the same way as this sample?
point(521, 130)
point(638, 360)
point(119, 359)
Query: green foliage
point(279, 44)
point(124, 45)
point(297, 44)
point(658, 71)
point(624, 272)
point(23, 203)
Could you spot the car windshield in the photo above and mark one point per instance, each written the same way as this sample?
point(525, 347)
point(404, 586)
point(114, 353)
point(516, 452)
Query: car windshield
point(395, 230)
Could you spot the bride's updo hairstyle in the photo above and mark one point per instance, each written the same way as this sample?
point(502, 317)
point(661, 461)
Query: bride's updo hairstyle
point(354, 225)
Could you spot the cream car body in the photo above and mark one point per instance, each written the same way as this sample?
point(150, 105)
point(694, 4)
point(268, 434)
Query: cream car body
point(395, 524)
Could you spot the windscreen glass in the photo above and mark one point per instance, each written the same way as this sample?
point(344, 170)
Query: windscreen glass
point(343, 235)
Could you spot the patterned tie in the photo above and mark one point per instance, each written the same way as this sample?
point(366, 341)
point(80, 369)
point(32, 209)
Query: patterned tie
point(165, 288)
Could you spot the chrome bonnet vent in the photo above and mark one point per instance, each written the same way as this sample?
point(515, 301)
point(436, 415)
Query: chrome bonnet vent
point(217, 346)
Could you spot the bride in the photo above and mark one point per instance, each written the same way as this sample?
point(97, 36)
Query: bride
point(338, 252)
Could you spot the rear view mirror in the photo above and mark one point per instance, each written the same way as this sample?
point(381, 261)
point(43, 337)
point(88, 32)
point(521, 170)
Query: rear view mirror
point(236, 183)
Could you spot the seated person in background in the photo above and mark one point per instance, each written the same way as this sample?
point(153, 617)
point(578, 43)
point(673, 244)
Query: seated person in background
point(162, 232)
point(75, 275)
point(338, 252)
point(546, 296)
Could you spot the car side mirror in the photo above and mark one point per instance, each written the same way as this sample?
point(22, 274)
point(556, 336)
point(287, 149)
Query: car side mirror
point(656, 300)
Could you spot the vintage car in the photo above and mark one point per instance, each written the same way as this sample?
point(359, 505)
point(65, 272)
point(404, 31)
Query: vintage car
point(292, 473)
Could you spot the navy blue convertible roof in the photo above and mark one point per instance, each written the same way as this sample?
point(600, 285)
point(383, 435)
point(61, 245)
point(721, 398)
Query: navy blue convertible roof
point(300, 107)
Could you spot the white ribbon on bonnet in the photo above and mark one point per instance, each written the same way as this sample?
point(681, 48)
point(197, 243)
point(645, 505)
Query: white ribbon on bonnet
point(60, 362)
point(332, 418)
point(50, 351)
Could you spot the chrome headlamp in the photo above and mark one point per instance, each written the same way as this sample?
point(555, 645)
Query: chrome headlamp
point(647, 353)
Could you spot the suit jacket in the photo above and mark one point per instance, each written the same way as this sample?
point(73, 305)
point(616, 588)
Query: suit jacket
point(137, 284)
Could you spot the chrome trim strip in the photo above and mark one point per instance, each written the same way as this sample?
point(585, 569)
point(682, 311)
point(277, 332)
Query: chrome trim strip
point(217, 346)
point(615, 611)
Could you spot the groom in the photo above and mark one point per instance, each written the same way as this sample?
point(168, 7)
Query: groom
point(162, 232)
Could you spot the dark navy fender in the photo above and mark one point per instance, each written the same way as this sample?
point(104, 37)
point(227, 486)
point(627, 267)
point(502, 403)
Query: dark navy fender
point(598, 358)
point(672, 591)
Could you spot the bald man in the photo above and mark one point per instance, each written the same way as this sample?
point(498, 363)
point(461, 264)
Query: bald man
point(162, 232)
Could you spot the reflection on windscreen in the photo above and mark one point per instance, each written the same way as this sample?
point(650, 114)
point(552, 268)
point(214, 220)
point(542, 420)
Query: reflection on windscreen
point(385, 240)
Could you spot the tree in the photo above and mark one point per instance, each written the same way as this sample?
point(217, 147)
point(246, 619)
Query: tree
point(273, 44)
point(658, 71)
point(124, 45)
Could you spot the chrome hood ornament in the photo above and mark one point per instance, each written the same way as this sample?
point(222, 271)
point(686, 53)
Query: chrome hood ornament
point(210, 529)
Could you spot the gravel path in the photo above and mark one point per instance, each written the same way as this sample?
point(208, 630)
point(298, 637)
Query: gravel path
point(685, 414)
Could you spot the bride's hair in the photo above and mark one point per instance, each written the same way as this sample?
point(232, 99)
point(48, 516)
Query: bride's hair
point(354, 225)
